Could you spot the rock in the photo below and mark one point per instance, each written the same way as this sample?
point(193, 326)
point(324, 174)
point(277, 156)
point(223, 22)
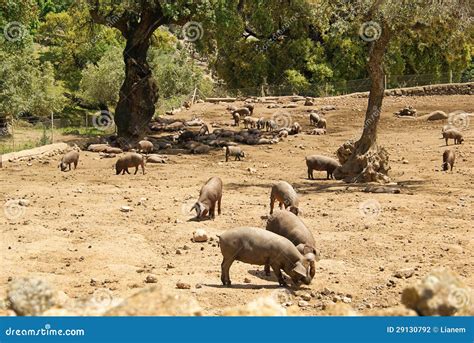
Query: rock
point(30, 296)
point(441, 292)
point(246, 280)
point(305, 296)
point(200, 235)
point(338, 309)
point(346, 300)
point(183, 285)
point(267, 306)
point(404, 273)
point(154, 301)
point(251, 170)
point(23, 202)
point(178, 252)
point(151, 279)
point(186, 247)
point(125, 209)
point(437, 115)
point(303, 303)
point(397, 311)
point(407, 111)
point(328, 108)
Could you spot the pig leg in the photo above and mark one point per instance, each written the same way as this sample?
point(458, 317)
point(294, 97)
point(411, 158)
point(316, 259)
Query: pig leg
point(226, 158)
point(136, 170)
point(272, 204)
point(75, 164)
point(310, 174)
point(225, 267)
point(212, 211)
point(219, 206)
point(281, 205)
point(279, 275)
point(267, 269)
point(446, 141)
point(126, 170)
point(70, 166)
point(327, 176)
point(143, 168)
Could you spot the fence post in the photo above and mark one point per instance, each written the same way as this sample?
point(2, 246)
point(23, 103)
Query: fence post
point(52, 127)
point(13, 133)
point(194, 96)
point(385, 81)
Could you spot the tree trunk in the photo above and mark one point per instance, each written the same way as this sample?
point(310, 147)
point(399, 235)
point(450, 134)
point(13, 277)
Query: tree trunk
point(138, 94)
point(364, 160)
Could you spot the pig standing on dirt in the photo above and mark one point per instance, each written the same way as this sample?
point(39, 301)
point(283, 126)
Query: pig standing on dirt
point(145, 146)
point(453, 134)
point(72, 157)
point(290, 226)
point(448, 160)
point(233, 151)
point(284, 193)
point(210, 193)
point(259, 247)
point(321, 163)
point(130, 160)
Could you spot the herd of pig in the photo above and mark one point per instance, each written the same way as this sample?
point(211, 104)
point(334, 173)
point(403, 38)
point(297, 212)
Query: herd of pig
point(286, 244)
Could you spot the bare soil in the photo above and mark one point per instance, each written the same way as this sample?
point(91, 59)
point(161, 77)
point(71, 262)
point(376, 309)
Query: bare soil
point(73, 230)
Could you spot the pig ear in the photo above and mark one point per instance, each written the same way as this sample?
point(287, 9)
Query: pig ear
point(299, 269)
point(193, 208)
point(308, 249)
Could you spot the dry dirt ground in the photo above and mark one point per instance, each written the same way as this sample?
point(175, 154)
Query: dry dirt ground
point(73, 230)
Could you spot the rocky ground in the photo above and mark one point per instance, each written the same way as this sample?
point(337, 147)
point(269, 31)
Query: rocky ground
point(72, 233)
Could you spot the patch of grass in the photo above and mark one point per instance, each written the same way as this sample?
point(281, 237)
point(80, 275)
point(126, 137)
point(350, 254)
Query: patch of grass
point(82, 131)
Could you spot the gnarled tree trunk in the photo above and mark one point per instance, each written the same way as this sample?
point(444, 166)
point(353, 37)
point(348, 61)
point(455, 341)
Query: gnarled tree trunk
point(138, 94)
point(364, 160)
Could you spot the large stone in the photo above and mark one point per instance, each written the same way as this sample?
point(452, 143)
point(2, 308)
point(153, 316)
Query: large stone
point(200, 235)
point(154, 301)
point(267, 306)
point(441, 292)
point(437, 115)
point(30, 296)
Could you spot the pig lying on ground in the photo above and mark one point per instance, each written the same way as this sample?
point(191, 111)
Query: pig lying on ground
point(259, 247)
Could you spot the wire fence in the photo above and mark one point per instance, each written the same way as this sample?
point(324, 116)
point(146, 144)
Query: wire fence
point(27, 131)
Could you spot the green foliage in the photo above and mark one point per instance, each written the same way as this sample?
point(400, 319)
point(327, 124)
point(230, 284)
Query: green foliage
point(71, 43)
point(101, 82)
point(27, 86)
point(296, 81)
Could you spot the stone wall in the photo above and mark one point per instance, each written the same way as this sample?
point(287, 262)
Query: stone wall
point(443, 89)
